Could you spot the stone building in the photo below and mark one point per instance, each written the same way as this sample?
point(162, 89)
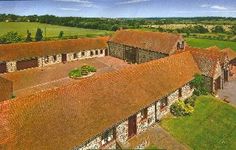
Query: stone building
point(139, 46)
point(6, 89)
point(213, 66)
point(38, 54)
point(232, 61)
point(89, 115)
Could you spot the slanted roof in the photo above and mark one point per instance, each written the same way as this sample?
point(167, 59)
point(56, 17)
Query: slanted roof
point(165, 43)
point(216, 51)
point(34, 49)
point(207, 62)
point(64, 117)
point(230, 53)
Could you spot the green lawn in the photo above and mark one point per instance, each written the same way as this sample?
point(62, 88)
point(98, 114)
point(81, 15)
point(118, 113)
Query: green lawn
point(204, 43)
point(211, 126)
point(51, 30)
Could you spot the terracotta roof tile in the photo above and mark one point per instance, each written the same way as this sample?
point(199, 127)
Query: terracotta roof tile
point(44, 48)
point(156, 41)
point(207, 62)
point(64, 117)
point(230, 53)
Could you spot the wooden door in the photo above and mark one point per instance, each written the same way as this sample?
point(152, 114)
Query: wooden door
point(226, 76)
point(24, 64)
point(64, 58)
point(132, 126)
point(217, 84)
point(106, 52)
point(3, 67)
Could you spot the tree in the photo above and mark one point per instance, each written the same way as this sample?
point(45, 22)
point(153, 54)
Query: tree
point(233, 29)
point(39, 35)
point(199, 84)
point(28, 37)
point(10, 37)
point(61, 35)
point(218, 29)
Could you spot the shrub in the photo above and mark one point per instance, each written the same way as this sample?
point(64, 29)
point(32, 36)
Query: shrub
point(83, 71)
point(92, 69)
point(199, 85)
point(179, 108)
point(191, 101)
point(75, 73)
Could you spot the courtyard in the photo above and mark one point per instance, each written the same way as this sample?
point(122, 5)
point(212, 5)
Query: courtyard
point(27, 82)
point(228, 93)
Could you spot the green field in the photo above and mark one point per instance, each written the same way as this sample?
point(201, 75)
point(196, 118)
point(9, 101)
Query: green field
point(204, 43)
point(51, 30)
point(211, 126)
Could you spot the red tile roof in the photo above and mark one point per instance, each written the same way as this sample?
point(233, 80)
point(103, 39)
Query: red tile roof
point(64, 117)
point(156, 41)
point(207, 62)
point(230, 53)
point(45, 48)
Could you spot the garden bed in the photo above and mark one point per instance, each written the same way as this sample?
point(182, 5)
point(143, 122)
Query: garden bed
point(82, 72)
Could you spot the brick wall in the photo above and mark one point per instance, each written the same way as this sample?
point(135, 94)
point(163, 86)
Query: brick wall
point(6, 89)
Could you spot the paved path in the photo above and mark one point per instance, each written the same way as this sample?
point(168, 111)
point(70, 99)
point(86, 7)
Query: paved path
point(229, 92)
point(156, 136)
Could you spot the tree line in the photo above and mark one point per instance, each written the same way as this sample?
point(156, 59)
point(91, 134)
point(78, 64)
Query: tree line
point(111, 24)
point(14, 37)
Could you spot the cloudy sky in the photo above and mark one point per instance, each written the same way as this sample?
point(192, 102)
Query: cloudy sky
point(121, 8)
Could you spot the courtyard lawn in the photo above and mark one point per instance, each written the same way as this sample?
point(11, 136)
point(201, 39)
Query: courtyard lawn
point(211, 126)
point(204, 43)
point(51, 30)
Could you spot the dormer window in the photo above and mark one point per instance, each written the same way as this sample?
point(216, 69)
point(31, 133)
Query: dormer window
point(178, 46)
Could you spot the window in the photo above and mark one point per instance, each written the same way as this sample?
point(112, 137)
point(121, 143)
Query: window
point(178, 46)
point(101, 51)
point(96, 52)
point(107, 137)
point(144, 113)
point(82, 54)
point(164, 103)
point(91, 53)
point(75, 55)
point(180, 92)
point(55, 57)
point(46, 59)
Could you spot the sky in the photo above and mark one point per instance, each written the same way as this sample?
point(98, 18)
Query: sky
point(121, 8)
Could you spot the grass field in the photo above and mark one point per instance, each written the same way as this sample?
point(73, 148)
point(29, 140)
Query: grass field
point(204, 43)
point(211, 126)
point(51, 30)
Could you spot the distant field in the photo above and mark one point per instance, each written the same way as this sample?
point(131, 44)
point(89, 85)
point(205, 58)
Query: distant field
point(51, 30)
point(210, 127)
point(180, 26)
point(204, 43)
